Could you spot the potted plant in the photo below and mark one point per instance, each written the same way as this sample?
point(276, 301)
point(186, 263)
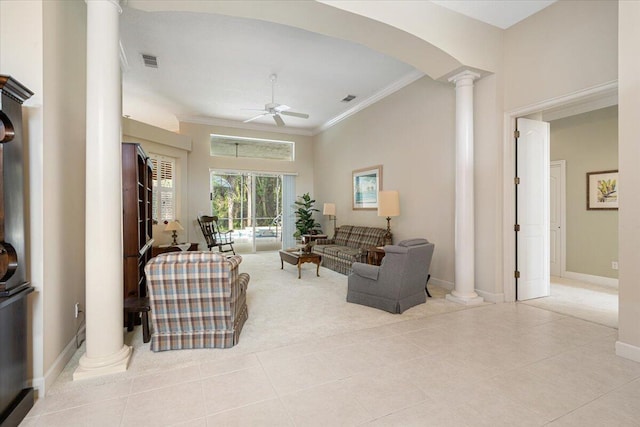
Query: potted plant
point(305, 223)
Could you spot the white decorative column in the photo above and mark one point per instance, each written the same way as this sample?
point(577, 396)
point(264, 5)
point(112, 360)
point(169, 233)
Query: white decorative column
point(464, 292)
point(106, 352)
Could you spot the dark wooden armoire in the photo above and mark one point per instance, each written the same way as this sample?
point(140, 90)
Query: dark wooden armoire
point(137, 193)
point(16, 398)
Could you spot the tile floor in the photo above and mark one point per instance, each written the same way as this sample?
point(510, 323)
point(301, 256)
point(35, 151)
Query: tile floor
point(494, 365)
point(598, 304)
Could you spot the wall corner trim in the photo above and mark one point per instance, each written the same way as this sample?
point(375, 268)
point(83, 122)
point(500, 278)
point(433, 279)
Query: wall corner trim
point(628, 351)
point(608, 282)
point(442, 283)
point(58, 365)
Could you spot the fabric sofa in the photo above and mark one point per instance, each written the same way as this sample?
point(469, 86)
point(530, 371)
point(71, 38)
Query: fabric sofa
point(398, 283)
point(349, 245)
point(197, 299)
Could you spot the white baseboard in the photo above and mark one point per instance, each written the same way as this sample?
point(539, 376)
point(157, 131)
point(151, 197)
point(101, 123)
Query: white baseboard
point(487, 296)
point(38, 386)
point(628, 351)
point(442, 283)
point(490, 296)
point(609, 282)
point(57, 367)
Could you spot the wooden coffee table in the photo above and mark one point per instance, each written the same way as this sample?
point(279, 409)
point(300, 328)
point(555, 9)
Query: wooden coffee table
point(297, 257)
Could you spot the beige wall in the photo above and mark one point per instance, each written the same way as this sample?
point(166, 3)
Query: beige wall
point(200, 163)
point(568, 46)
point(411, 134)
point(43, 46)
point(589, 143)
point(64, 171)
point(629, 156)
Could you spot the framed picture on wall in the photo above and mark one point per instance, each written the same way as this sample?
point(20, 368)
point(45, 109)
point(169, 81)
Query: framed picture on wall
point(366, 184)
point(602, 190)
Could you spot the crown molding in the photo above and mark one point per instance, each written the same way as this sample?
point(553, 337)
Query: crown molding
point(606, 97)
point(406, 80)
point(204, 120)
point(394, 87)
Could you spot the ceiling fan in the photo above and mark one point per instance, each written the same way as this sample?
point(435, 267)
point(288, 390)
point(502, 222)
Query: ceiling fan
point(275, 110)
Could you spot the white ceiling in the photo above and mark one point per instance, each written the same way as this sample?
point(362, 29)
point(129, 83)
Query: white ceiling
point(499, 13)
point(212, 68)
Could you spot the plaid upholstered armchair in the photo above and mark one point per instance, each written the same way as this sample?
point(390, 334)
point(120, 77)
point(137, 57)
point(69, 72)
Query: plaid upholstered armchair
point(198, 300)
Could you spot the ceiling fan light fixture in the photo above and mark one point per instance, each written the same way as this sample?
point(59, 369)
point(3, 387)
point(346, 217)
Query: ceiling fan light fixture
point(275, 110)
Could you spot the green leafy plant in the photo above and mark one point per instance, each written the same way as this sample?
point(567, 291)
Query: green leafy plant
point(305, 223)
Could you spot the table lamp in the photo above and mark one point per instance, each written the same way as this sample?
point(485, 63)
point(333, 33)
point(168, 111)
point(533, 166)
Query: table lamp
point(388, 205)
point(330, 209)
point(174, 227)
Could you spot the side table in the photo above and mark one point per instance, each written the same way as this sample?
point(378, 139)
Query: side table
point(375, 255)
point(138, 306)
point(309, 238)
point(157, 250)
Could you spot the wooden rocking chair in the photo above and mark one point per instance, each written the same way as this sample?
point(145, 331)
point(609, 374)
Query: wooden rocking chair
point(213, 236)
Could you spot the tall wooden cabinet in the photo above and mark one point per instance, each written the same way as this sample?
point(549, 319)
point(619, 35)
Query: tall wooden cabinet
point(16, 394)
point(137, 193)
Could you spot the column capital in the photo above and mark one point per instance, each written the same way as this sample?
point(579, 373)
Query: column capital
point(464, 76)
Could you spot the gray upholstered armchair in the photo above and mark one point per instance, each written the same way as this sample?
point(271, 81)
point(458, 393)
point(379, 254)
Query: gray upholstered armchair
point(397, 284)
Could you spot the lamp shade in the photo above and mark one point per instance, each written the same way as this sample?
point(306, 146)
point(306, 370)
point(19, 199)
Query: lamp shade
point(173, 226)
point(329, 209)
point(388, 203)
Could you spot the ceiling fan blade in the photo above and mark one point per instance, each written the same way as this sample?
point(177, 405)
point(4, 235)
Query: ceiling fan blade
point(294, 114)
point(254, 118)
point(278, 120)
point(281, 108)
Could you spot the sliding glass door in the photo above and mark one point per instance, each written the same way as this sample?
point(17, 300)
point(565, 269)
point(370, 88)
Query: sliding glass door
point(251, 205)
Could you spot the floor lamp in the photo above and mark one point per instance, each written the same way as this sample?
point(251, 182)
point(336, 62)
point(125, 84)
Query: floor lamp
point(330, 209)
point(388, 205)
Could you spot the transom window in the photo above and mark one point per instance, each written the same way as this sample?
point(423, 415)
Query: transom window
point(252, 148)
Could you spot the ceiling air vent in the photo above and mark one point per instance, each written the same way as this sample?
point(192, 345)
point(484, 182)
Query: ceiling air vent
point(348, 98)
point(150, 61)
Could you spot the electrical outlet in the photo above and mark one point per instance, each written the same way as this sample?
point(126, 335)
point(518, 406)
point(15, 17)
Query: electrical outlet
point(77, 309)
point(614, 265)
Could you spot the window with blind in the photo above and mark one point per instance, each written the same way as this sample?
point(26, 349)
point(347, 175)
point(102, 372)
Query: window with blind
point(251, 148)
point(164, 188)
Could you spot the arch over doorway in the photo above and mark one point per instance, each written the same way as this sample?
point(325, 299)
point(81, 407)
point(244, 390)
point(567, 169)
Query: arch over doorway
point(330, 21)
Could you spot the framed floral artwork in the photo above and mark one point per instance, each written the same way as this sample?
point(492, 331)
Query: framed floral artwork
point(602, 190)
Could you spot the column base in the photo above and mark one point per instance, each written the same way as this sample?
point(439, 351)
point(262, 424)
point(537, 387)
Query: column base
point(473, 299)
point(97, 367)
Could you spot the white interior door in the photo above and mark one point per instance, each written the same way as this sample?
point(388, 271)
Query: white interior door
point(556, 213)
point(532, 213)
